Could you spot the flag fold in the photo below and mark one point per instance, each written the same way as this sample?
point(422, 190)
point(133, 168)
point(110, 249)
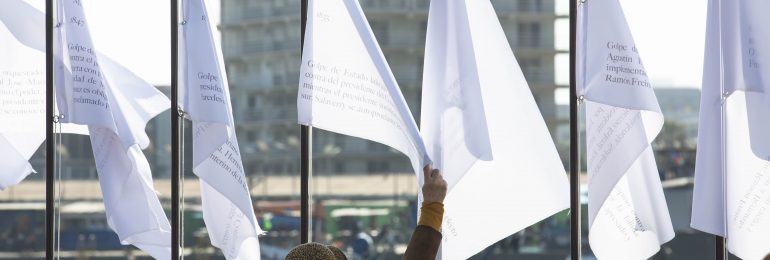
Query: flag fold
point(22, 92)
point(483, 128)
point(205, 98)
point(347, 87)
point(627, 212)
point(732, 170)
point(116, 105)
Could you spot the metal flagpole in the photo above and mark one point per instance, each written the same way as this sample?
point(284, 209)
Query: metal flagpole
point(306, 137)
point(574, 156)
point(721, 250)
point(49, 121)
point(175, 142)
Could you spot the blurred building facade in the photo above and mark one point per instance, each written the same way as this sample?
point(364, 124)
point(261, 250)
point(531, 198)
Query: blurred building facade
point(261, 42)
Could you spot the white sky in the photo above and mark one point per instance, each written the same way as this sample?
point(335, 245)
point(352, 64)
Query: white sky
point(668, 33)
point(136, 33)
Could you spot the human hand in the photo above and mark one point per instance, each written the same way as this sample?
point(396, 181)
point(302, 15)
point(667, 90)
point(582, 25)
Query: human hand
point(434, 188)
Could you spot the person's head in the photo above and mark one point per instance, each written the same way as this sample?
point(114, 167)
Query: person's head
point(315, 251)
point(337, 253)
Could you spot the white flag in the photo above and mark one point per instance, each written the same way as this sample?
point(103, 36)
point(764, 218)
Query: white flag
point(116, 105)
point(22, 92)
point(479, 119)
point(347, 87)
point(732, 172)
point(627, 212)
point(453, 122)
point(205, 97)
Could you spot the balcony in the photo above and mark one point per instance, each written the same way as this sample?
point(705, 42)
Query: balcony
point(259, 47)
point(395, 6)
point(524, 7)
point(532, 40)
point(238, 52)
point(403, 40)
point(258, 83)
point(262, 13)
point(536, 77)
point(273, 114)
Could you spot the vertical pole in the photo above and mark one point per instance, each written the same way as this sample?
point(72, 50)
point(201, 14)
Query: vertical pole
point(574, 158)
point(721, 250)
point(175, 142)
point(306, 137)
point(49, 145)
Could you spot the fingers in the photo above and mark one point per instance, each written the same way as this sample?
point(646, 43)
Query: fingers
point(432, 175)
point(435, 187)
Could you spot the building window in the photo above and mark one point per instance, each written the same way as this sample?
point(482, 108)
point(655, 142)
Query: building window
point(423, 31)
point(380, 30)
point(531, 6)
point(420, 69)
point(531, 69)
point(529, 34)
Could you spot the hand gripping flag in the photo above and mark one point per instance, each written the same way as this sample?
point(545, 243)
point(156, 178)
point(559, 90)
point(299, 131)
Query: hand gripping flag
point(627, 212)
point(205, 97)
point(482, 127)
point(732, 170)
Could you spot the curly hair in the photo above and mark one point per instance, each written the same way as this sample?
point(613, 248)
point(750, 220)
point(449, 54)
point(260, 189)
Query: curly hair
point(315, 251)
point(337, 253)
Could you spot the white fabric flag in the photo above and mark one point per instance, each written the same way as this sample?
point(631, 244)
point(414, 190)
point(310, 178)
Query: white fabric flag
point(116, 105)
point(347, 87)
point(205, 97)
point(22, 94)
point(627, 212)
point(476, 103)
point(22, 90)
point(732, 173)
point(453, 122)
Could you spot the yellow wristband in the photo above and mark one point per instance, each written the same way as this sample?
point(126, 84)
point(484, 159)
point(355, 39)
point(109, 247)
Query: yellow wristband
point(432, 214)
